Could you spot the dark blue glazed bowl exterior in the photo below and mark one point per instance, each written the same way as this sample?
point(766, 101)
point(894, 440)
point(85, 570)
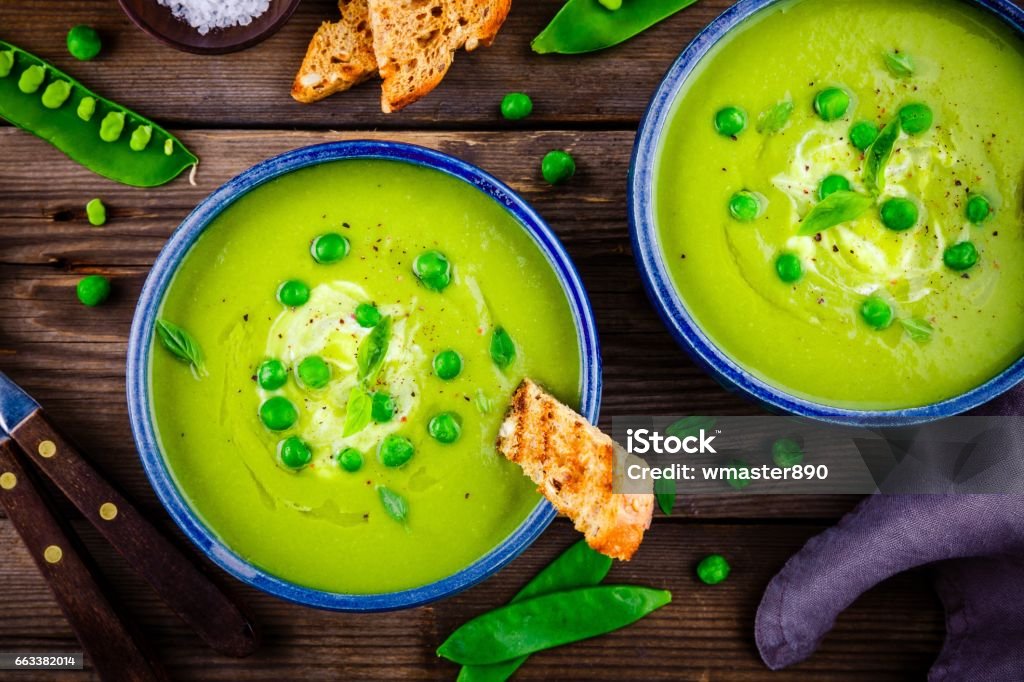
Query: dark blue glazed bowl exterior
point(662, 292)
point(140, 346)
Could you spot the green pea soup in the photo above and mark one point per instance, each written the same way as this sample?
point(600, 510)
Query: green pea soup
point(338, 518)
point(729, 206)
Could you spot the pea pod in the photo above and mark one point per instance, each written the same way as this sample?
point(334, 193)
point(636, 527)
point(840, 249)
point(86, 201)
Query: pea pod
point(549, 621)
point(578, 566)
point(586, 26)
point(73, 123)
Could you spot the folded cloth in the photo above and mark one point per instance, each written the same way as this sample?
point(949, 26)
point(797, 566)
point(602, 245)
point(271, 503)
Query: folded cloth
point(978, 542)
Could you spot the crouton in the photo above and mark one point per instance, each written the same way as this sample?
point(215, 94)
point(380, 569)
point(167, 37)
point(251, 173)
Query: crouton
point(573, 465)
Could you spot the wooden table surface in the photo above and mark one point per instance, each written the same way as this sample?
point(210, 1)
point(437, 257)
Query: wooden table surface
point(234, 111)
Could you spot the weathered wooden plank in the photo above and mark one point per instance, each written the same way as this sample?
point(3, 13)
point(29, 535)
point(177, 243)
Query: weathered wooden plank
point(251, 88)
point(705, 633)
point(43, 210)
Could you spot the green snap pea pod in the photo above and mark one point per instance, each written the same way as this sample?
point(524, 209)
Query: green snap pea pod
point(73, 123)
point(578, 566)
point(549, 621)
point(586, 26)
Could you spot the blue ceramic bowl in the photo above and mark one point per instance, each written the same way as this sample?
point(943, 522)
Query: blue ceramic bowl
point(662, 292)
point(140, 345)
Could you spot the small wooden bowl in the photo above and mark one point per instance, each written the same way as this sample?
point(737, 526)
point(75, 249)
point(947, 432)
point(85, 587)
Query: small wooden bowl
point(157, 21)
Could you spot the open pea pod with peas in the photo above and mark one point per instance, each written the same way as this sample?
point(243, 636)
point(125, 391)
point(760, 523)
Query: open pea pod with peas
point(103, 136)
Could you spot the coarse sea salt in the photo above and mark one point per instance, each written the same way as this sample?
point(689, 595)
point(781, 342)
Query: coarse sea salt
point(205, 15)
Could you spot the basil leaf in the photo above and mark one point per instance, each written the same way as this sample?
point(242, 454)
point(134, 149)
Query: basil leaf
point(665, 492)
point(394, 504)
point(503, 350)
point(835, 209)
point(774, 119)
point(917, 329)
point(181, 344)
point(899, 65)
point(373, 349)
point(483, 403)
point(358, 411)
point(878, 154)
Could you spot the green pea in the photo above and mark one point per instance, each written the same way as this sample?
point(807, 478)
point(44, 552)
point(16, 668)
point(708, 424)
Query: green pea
point(787, 453)
point(6, 62)
point(86, 108)
point(899, 214)
point(96, 212)
point(557, 166)
point(960, 257)
point(516, 106)
point(713, 569)
point(611, 5)
point(350, 459)
point(382, 407)
point(31, 79)
point(168, 147)
point(876, 312)
point(730, 121)
point(140, 138)
point(445, 427)
point(832, 103)
point(788, 267)
point(314, 372)
point(294, 452)
point(447, 365)
point(278, 413)
point(978, 209)
point(271, 374)
point(112, 126)
point(367, 315)
point(293, 293)
point(863, 134)
point(84, 43)
point(433, 269)
point(93, 290)
point(745, 206)
point(329, 248)
point(55, 94)
point(394, 451)
point(833, 184)
point(916, 118)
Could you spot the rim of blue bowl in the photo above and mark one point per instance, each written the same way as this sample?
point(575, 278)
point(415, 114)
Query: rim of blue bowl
point(140, 345)
point(670, 306)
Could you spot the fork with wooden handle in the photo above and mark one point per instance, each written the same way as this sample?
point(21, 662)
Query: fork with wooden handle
point(113, 649)
point(200, 603)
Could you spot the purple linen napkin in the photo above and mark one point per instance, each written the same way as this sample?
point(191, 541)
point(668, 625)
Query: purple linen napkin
point(978, 541)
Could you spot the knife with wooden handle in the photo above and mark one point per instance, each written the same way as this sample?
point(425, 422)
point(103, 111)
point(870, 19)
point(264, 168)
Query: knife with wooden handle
point(113, 649)
point(200, 603)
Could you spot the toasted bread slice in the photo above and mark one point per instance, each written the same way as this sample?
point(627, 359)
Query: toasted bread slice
point(572, 464)
point(339, 56)
point(415, 41)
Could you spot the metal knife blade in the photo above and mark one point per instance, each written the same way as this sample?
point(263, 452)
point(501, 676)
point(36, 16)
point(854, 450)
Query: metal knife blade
point(15, 404)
